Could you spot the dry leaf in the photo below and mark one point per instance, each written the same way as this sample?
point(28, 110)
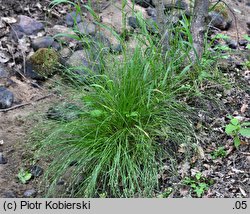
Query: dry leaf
point(9, 20)
point(243, 108)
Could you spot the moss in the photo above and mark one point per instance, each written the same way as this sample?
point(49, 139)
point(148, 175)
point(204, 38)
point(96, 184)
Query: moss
point(221, 9)
point(45, 61)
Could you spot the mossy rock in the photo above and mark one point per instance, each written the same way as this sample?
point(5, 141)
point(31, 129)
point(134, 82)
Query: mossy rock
point(45, 61)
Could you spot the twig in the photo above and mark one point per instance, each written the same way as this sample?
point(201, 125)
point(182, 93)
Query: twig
point(25, 104)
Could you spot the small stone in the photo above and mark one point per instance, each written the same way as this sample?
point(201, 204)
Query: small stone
point(3, 72)
point(232, 44)
point(29, 25)
point(3, 160)
point(218, 21)
point(31, 193)
point(151, 12)
point(86, 28)
point(42, 42)
point(72, 17)
point(10, 194)
point(243, 42)
point(133, 22)
point(6, 98)
point(116, 49)
point(36, 171)
point(144, 3)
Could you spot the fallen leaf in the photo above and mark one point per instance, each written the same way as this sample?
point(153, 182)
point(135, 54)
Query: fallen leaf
point(9, 20)
point(243, 108)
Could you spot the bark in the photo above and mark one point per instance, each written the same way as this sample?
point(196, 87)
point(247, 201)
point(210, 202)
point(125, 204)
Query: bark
point(198, 27)
point(159, 6)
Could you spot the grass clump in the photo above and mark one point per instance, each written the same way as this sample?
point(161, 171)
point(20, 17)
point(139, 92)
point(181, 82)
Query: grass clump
point(130, 114)
point(118, 140)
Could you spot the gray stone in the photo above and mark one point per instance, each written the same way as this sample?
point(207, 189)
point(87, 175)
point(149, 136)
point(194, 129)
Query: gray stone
point(82, 63)
point(3, 160)
point(42, 42)
point(36, 170)
point(218, 21)
point(144, 3)
point(86, 28)
point(133, 22)
point(31, 193)
point(73, 17)
point(232, 44)
point(29, 25)
point(10, 194)
point(3, 73)
point(151, 12)
point(6, 98)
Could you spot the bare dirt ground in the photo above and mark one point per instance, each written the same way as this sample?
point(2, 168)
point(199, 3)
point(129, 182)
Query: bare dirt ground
point(231, 175)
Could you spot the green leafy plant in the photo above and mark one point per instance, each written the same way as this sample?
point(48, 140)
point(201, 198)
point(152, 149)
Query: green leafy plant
point(24, 176)
point(235, 128)
point(219, 152)
point(198, 183)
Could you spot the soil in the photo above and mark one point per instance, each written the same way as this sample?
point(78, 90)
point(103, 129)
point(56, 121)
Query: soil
point(231, 175)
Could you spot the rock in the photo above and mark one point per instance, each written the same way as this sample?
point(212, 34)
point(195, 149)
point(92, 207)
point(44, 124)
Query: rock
point(248, 23)
point(218, 21)
point(42, 42)
point(29, 26)
point(116, 49)
point(60, 29)
point(42, 64)
point(243, 42)
point(80, 63)
point(144, 3)
point(86, 28)
point(170, 4)
point(10, 194)
point(15, 33)
point(3, 160)
point(151, 12)
point(73, 17)
point(6, 98)
point(36, 170)
point(31, 193)
point(3, 73)
point(133, 22)
point(232, 44)
point(102, 41)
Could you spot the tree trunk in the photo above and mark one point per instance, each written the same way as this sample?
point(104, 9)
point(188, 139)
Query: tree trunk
point(198, 27)
point(159, 6)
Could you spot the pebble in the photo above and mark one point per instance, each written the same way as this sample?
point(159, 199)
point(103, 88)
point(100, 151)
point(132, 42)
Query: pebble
point(232, 44)
point(144, 3)
point(31, 193)
point(29, 26)
point(3, 72)
point(3, 160)
point(6, 98)
point(36, 171)
point(218, 21)
point(42, 42)
point(86, 28)
point(10, 194)
point(133, 22)
point(72, 17)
